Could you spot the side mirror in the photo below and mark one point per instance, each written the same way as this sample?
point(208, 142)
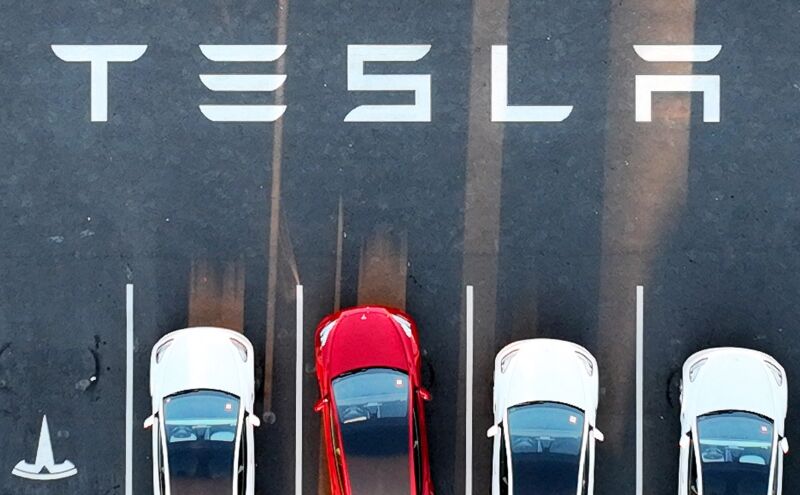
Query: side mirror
point(320, 405)
point(493, 431)
point(254, 420)
point(784, 445)
point(149, 422)
point(685, 442)
point(598, 435)
point(424, 394)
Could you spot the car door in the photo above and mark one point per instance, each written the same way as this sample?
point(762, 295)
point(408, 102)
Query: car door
point(692, 478)
point(251, 458)
point(244, 457)
point(335, 454)
point(687, 475)
point(245, 474)
point(504, 478)
point(587, 482)
point(241, 464)
point(421, 466)
point(161, 478)
point(499, 462)
point(419, 476)
point(159, 484)
point(777, 469)
point(505, 466)
point(694, 472)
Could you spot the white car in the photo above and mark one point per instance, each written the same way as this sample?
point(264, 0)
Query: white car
point(545, 407)
point(201, 383)
point(733, 407)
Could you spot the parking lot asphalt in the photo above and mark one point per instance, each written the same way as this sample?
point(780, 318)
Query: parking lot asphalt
point(554, 224)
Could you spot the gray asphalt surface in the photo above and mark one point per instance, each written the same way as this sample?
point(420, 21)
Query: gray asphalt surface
point(585, 213)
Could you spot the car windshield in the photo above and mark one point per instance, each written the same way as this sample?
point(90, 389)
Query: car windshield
point(201, 431)
point(735, 453)
point(373, 408)
point(546, 440)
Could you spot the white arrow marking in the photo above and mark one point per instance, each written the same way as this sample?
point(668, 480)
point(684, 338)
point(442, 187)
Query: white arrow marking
point(45, 467)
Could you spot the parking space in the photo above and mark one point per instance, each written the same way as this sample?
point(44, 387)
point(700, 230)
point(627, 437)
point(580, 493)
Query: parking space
point(552, 224)
point(78, 384)
point(725, 269)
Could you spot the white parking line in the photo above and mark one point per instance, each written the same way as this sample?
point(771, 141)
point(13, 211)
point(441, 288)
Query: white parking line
point(469, 352)
point(337, 288)
point(129, 390)
point(298, 399)
point(639, 387)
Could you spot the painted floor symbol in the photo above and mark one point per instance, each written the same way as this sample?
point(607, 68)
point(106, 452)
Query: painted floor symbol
point(45, 467)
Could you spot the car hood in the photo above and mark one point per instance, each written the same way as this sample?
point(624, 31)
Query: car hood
point(202, 358)
point(734, 380)
point(546, 370)
point(367, 337)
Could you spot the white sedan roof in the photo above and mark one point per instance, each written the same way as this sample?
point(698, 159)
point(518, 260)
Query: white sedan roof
point(202, 358)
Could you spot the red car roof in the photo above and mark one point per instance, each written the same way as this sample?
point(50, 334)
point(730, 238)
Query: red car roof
point(366, 337)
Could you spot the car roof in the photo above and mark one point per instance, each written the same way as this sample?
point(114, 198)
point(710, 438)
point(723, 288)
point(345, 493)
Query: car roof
point(367, 337)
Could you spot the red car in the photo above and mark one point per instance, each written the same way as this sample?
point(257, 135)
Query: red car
point(372, 398)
